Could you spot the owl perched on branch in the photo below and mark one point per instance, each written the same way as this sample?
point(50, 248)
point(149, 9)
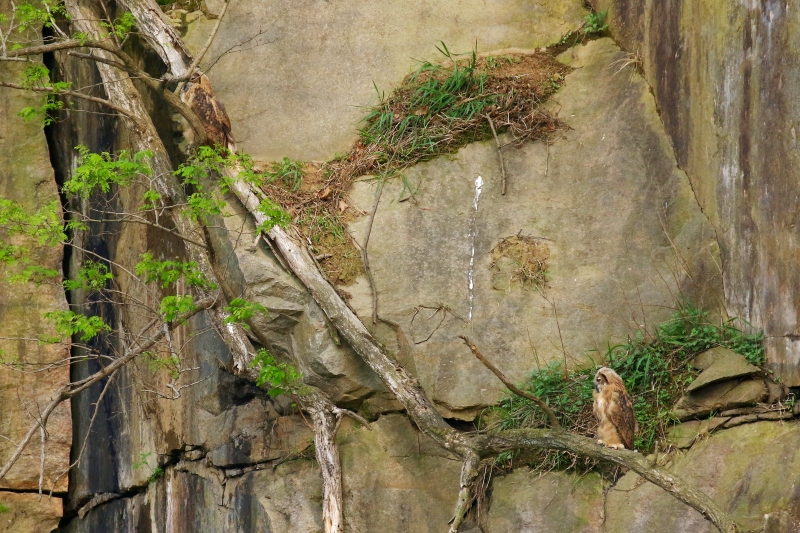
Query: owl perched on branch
point(197, 94)
point(616, 423)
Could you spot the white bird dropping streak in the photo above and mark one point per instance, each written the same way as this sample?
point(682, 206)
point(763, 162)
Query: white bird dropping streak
point(472, 231)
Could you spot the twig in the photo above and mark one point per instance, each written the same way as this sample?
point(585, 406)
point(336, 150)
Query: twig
point(499, 154)
point(560, 338)
point(443, 308)
point(355, 416)
point(74, 94)
point(365, 257)
point(547, 159)
point(132, 217)
point(210, 40)
point(551, 417)
point(88, 431)
point(43, 436)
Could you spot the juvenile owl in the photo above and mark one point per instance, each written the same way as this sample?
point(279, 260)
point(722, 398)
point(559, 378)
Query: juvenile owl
point(197, 94)
point(616, 422)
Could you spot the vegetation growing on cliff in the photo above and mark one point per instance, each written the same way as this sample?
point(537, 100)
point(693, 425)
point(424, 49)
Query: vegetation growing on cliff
point(655, 369)
point(436, 110)
point(180, 204)
point(441, 107)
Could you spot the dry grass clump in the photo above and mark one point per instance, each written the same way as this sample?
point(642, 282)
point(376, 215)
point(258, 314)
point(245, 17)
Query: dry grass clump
point(520, 260)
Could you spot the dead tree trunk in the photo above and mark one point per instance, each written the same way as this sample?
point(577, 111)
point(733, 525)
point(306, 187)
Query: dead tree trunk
point(124, 94)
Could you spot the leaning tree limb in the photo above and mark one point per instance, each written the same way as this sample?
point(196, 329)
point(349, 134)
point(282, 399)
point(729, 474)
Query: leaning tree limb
point(410, 393)
point(466, 492)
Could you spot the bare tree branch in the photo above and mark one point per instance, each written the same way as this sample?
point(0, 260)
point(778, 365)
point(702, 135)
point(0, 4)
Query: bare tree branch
point(74, 94)
point(210, 40)
point(71, 389)
point(551, 416)
point(499, 154)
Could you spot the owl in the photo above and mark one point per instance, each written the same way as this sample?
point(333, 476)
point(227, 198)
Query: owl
point(613, 409)
point(197, 94)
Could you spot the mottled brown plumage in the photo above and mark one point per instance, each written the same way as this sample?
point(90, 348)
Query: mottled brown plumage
point(211, 112)
point(616, 422)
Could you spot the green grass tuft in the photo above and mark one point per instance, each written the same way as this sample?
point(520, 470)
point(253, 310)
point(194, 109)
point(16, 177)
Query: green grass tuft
point(655, 371)
point(432, 100)
point(289, 171)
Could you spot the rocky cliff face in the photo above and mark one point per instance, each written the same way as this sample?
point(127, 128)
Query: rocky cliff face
point(26, 176)
point(722, 74)
point(660, 190)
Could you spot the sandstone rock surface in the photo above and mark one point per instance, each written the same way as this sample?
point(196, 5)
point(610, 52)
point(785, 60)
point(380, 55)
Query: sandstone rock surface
point(735, 467)
point(607, 200)
point(720, 396)
point(724, 75)
point(552, 502)
point(26, 177)
point(704, 360)
point(24, 513)
point(730, 367)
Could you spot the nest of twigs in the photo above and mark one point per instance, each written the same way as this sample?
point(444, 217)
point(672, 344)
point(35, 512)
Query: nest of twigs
point(521, 260)
point(440, 108)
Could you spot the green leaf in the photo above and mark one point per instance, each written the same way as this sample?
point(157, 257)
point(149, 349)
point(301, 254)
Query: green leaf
point(170, 272)
point(202, 206)
point(35, 274)
point(173, 306)
point(241, 310)
point(275, 216)
point(35, 75)
point(281, 377)
point(171, 364)
point(68, 323)
point(92, 276)
point(101, 171)
point(44, 225)
point(151, 199)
